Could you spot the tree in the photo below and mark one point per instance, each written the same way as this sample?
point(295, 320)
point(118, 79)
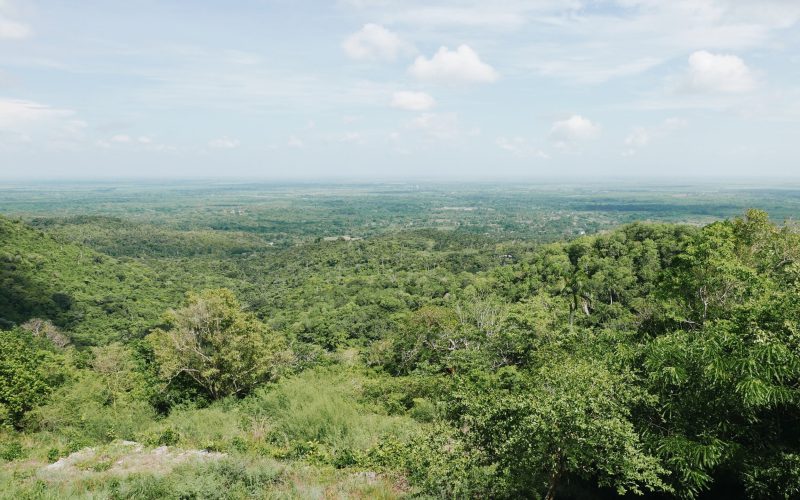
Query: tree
point(223, 349)
point(569, 419)
point(46, 329)
point(28, 373)
point(727, 383)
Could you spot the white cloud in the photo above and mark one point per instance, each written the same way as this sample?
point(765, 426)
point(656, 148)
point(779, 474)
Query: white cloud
point(624, 38)
point(486, 16)
point(592, 70)
point(412, 101)
point(350, 138)
point(17, 112)
point(462, 65)
point(519, 146)
point(443, 126)
point(13, 30)
point(224, 142)
point(10, 28)
point(121, 138)
point(514, 144)
point(374, 42)
point(140, 143)
point(470, 14)
point(243, 58)
point(718, 73)
point(295, 142)
point(23, 121)
point(573, 130)
point(640, 137)
point(637, 139)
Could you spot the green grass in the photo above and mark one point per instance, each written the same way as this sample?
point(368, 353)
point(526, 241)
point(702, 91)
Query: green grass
point(322, 406)
point(287, 440)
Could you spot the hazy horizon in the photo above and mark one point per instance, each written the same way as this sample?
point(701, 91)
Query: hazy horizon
point(573, 180)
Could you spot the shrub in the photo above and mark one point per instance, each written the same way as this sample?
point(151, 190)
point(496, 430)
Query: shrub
point(12, 451)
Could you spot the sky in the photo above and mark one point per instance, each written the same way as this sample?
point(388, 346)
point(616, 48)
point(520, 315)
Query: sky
point(383, 89)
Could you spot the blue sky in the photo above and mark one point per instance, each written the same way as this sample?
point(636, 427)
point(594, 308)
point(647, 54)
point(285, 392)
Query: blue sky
point(399, 88)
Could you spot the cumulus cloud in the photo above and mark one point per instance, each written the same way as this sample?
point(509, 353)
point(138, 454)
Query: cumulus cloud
point(573, 130)
point(462, 65)
point(224, 142)
point(295, 142)
point(412, 101)
point(718, 73)
point(374, 42)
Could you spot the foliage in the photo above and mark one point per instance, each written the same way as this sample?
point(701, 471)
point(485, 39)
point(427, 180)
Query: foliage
point(483, 349)
point(568, 419)
point(321, 406)
point(107, 400)
point(29, 371)
point(92, 296)
point(224, 350)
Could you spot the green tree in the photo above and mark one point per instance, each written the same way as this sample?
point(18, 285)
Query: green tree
point(727, 381)
point(223, 349)
point(568, 420)
point(28, 373)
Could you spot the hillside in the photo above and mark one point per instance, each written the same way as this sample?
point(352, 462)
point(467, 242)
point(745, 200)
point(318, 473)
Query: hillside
point(658, 359)
point(95, 297)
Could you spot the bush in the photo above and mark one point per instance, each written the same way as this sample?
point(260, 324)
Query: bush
point(216, 428)
point(423, 410)
point(12, 451)
point(87, 412)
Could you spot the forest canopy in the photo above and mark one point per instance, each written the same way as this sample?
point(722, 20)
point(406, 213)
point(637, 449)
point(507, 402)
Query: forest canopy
point(651, 359)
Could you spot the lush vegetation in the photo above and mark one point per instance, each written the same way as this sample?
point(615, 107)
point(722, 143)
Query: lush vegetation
point(170, 358)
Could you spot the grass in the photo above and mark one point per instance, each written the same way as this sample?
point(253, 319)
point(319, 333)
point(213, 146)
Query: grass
point(322, 406)
point(293, 439)
point(230, 477)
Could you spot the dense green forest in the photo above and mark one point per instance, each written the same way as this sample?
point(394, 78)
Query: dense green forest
point(208, 342)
